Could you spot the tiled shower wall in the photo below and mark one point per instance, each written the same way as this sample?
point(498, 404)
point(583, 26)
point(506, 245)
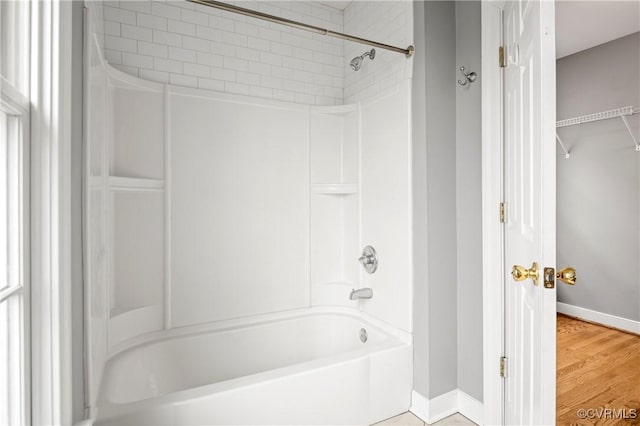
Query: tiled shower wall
point(389, 22)
point(186, 44)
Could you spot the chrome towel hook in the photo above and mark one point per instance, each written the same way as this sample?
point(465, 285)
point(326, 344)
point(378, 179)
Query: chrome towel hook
point(469, 77)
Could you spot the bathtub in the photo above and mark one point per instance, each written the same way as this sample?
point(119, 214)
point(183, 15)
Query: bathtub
point(313, 366)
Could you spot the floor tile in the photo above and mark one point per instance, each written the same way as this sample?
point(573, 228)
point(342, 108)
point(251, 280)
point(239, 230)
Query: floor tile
point(455, 420)
point(405, 419)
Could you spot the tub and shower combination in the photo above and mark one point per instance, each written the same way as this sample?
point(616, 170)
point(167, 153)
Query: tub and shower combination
point(223, 234)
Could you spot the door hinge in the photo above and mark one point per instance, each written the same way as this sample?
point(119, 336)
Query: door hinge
point(501, 61)
point(503, 212)
point(503, 366)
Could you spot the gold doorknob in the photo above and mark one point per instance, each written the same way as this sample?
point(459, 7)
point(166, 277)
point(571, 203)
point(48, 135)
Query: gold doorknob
point(520, 273)
point(567, 276)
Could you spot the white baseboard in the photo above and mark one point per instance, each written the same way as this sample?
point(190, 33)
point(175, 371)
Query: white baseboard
point(599, 317)
point(456, 401)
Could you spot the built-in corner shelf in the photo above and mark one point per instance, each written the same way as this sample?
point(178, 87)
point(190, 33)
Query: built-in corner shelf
point(118, 183)
point(334, 188)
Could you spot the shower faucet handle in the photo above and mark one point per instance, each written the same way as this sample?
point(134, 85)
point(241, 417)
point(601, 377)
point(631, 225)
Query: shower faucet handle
point(369, 259)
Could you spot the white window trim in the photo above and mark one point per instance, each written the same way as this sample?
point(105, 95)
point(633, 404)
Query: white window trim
point(50, 212)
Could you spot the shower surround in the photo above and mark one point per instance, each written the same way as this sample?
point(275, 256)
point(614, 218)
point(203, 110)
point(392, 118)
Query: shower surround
point(224, 223)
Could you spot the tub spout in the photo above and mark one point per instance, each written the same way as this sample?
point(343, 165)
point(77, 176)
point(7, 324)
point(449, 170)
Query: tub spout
point(361, 293)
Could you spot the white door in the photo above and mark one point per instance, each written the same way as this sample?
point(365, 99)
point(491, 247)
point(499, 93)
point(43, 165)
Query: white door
point(529, 190)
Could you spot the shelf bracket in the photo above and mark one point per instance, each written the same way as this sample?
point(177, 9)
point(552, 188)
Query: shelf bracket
point(626, 124)
point(566, 153)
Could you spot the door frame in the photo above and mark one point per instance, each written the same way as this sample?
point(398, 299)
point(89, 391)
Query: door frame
point(492, 228)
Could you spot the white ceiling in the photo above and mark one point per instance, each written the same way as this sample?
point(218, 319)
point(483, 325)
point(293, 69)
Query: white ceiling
point(584, 24)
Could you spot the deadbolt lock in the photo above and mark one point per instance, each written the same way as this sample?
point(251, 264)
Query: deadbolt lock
point(567, 275)
point(520, 273)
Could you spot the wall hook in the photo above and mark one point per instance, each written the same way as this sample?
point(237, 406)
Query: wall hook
point(469, 77)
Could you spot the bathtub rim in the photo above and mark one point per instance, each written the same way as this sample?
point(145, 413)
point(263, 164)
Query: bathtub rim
point(254, 320)
point(395, 339)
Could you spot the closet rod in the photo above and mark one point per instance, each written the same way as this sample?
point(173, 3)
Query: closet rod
point(408, 52)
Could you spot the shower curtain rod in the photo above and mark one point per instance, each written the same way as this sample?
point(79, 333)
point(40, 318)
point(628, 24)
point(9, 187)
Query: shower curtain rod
point(301, 26)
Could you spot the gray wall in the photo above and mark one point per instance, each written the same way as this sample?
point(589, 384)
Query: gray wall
point(469, 201)
point(598, 188)
point(419, 187)
point(441, 195)
point(447, 203)
point(77, 294)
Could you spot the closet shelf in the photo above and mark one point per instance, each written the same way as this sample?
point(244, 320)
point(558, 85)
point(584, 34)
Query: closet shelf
point(621, 113)
point(118, 183)
point(334, 188)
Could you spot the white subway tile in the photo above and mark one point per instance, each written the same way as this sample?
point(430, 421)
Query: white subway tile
point(208, 84)
point(271, 82)
point(183, 80)
point(208, 33)
point(195, 44)
point(248, 54)
point(169, 65)
point(153, 75)
point(235, 39)
point(136, 5)
point(248, 78)
point(258, 43)
point(197, 70)
point(281, 49)
point(136, 33)
point(170, 39)
point(236, 64)
point(135, 60)
point(238, 88)
point(152, 49)
point(301, 53)
point(269, 34)
point(305, 76)
point(303, 98)
point(219, 48)
point(221, 24)
point(209, 59)
point(283, 95)
point(150, 21)
point(246, 29)
point(185, 4)
point(182, 54)
point(223, 74)
point(119, 15)
point(292, 40)
point(194, 17)
point(281, 72)
point(122, 44)
point(260, 68)
point(166, 10)
point(270, 58)
point(112, 28)
point(180, 27)
point(261, 92)
point(127, 69)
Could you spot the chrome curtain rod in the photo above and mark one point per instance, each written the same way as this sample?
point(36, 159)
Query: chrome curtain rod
point(299, 25)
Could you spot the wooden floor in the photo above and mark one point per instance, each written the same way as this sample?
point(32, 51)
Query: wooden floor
point(597, 367)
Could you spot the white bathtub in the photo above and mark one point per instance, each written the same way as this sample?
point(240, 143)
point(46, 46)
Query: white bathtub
point(301, 367)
